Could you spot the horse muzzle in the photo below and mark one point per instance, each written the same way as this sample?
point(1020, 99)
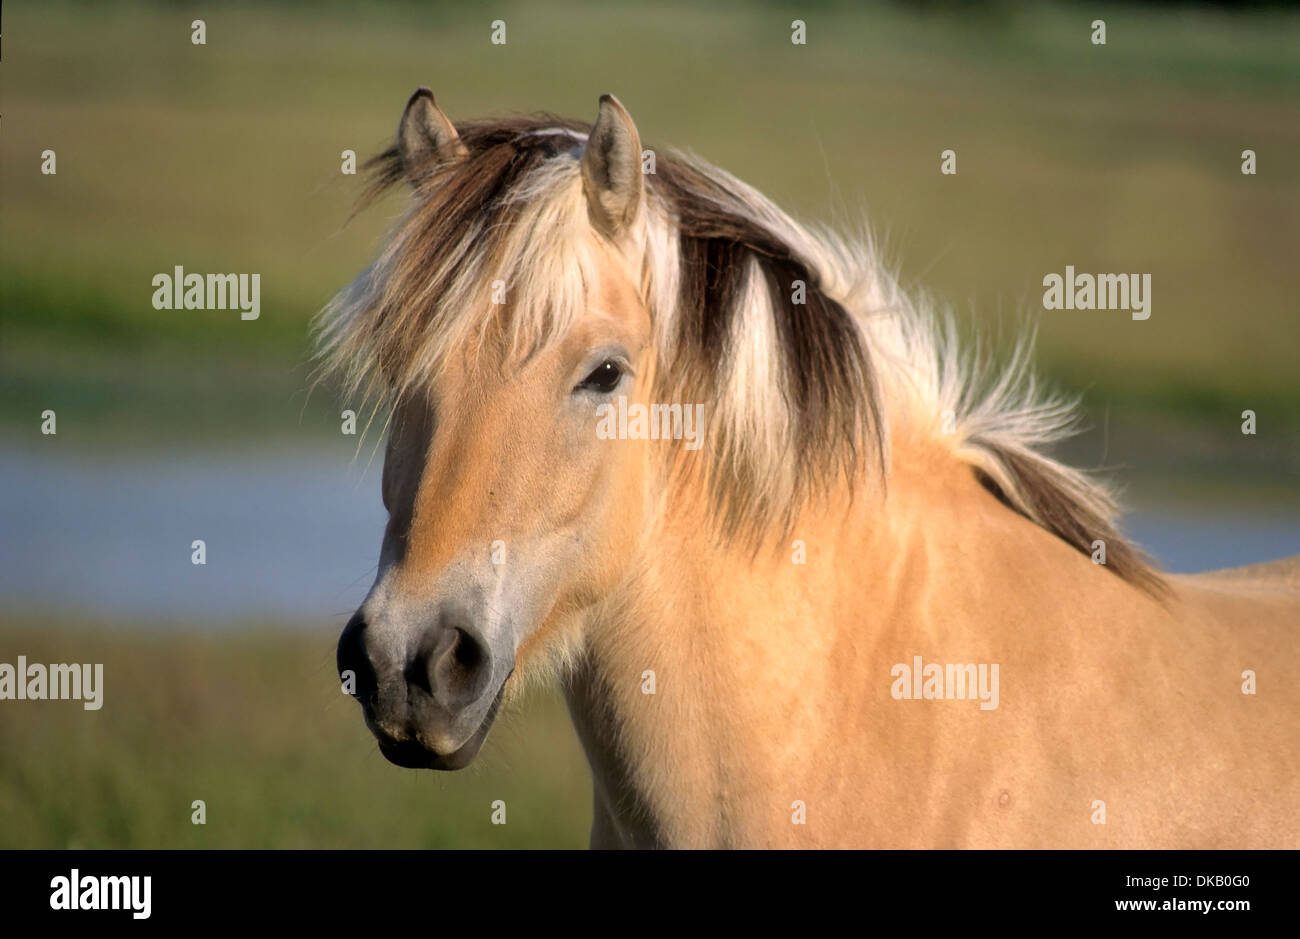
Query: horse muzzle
point(430, 703)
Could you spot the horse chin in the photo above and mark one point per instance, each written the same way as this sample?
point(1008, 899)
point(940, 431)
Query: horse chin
point(413, 754)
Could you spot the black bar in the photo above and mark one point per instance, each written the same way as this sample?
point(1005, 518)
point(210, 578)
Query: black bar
point(368, 888)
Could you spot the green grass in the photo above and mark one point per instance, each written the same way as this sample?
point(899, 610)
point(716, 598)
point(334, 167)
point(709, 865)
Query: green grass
point(255, 725)
point(225, 157)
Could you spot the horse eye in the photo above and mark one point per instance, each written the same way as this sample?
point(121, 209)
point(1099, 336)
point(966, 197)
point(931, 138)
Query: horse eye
point(604, 378)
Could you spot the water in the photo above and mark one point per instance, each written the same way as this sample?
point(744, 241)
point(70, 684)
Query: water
point(292, 538)
point(1202, 540)
point(289, 538)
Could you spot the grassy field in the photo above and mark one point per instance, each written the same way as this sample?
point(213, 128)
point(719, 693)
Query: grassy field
point(255, 726)
point(226, 157)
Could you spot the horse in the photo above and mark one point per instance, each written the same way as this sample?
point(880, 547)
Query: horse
point(742, 628)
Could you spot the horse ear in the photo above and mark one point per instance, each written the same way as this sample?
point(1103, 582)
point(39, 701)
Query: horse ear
point(611, 169)
point(425, 137)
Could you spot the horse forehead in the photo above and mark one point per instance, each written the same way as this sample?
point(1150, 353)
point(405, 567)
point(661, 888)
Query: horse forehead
point(615, 299)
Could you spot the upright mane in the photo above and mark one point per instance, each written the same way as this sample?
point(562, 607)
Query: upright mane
point(801, 344)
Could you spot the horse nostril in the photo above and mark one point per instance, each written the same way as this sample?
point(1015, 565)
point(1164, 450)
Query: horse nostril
point(460, 673)
point(452, 666)
point(352, 658)
point(467, 652)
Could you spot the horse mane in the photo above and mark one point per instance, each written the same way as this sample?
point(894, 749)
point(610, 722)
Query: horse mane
point(796, 336)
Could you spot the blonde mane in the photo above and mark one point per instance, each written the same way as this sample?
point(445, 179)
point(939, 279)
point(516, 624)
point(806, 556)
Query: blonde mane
point(805, 348)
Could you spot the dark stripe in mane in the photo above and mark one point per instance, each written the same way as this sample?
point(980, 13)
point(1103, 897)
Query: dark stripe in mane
point(832, 396)
point(1054, 507)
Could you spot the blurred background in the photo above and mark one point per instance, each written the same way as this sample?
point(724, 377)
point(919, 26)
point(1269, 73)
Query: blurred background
point(177, 425)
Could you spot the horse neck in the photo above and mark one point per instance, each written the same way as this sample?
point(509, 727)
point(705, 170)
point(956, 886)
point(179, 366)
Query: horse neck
point(761, 664)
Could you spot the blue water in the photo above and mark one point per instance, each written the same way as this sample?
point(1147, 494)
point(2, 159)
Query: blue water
point(288, 537)
point(292, 538)
point(1186, 543)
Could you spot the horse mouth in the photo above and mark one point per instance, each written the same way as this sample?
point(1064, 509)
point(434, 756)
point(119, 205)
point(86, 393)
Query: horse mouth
point(412, 754)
